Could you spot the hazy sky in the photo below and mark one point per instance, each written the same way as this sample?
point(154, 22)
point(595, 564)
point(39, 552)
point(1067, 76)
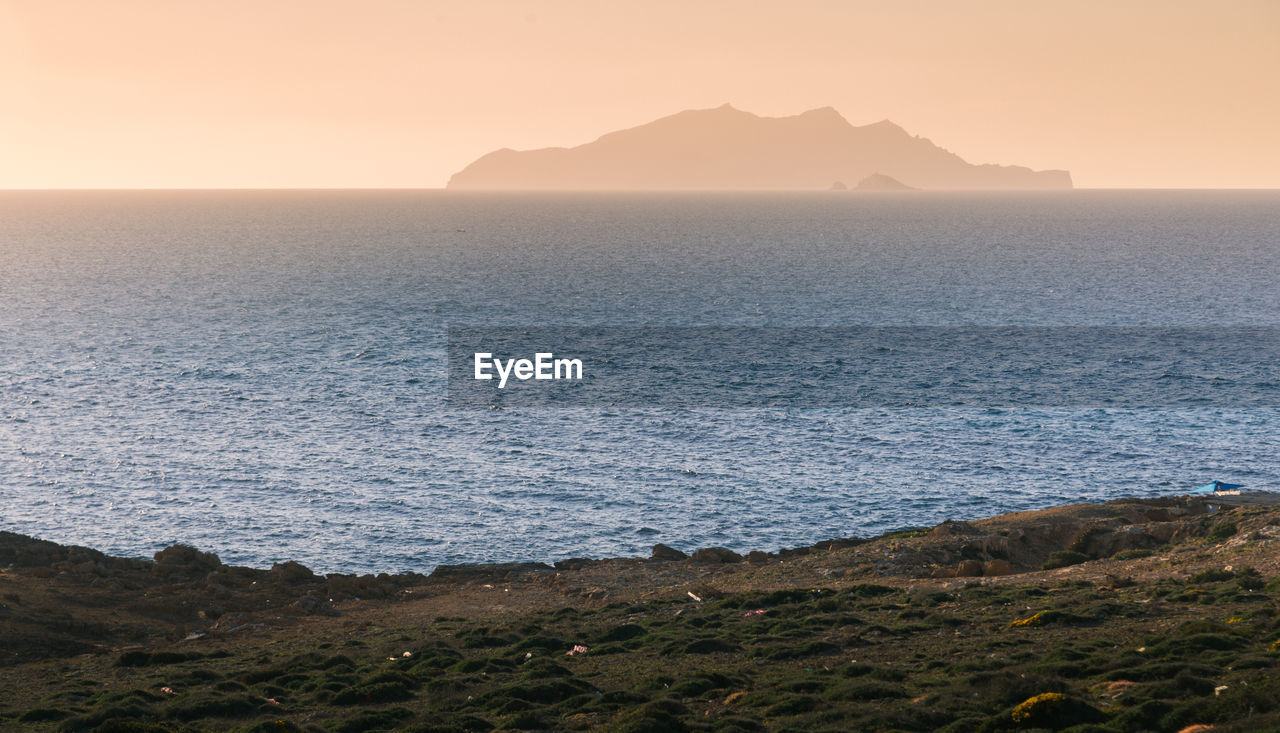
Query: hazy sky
point(355, 93)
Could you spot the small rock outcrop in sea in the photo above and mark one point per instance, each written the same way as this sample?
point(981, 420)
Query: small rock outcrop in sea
point(881, 182)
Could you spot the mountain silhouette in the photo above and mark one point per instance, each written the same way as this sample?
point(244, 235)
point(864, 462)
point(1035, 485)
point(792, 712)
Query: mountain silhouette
point(728, 149)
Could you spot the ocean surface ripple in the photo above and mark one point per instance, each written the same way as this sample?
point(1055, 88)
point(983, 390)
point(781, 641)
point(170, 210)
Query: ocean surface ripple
point(261, 374)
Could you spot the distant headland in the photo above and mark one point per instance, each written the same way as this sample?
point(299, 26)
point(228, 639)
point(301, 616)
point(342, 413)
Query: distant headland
point(729, 149)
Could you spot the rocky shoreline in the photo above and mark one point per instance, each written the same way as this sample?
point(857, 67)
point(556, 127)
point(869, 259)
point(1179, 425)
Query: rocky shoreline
point(69, 613)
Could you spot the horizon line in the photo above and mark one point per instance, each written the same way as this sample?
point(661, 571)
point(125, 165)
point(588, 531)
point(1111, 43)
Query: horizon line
point(104, 189)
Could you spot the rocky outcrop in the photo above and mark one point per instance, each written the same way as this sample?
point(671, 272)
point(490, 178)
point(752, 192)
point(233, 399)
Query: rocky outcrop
point(716, 555)
point(184, 560)
point(486, 571)
point(666, 554)
point(988, 549)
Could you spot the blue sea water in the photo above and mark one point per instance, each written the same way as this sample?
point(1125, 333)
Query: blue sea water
point(262, 374)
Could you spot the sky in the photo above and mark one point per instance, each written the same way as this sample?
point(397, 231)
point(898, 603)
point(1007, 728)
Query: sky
point(403, 93)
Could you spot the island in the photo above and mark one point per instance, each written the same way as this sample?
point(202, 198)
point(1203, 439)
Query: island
point(731, 150)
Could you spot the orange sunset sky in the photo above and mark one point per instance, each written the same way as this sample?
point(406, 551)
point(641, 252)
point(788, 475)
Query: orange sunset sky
point(400, 93)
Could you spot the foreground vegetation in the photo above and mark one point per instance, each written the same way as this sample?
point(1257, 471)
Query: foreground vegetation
point(1077, 655)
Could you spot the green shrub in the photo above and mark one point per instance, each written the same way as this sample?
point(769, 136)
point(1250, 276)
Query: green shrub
point(1054, 710)
point(1223, 530)
point(1211, 575)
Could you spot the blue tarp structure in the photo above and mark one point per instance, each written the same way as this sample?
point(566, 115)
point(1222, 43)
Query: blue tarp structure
point(1216, 486)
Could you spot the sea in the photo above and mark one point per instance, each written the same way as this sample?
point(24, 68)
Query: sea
point(263, 374)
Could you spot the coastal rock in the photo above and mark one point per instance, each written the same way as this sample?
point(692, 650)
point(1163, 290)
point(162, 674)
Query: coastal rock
point(665, 553)
point(838, 544)
point(795, 552)
point(491, 571)
point(185, 560)
point(20, 551)
point(1106, 542)
point(757, 557)
point(953, 528)
point(716, 555)
point(575, 563)
point(1167, 531)
point(997, 567)
point(1030, 545)
point(969, 569)
point(291, 572)
point(992, 545)
point(343, 587)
